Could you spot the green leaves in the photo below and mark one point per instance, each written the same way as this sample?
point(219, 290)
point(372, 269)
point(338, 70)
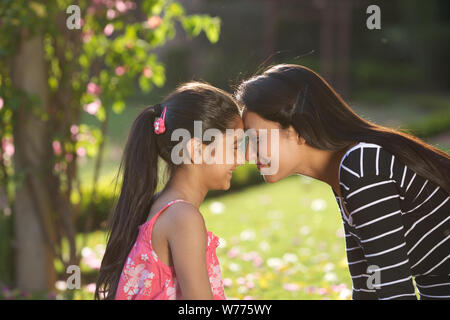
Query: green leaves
point(195, 24)
point(159, 75)
point(212, 29)
point(38, 8)
point(118, 106)
point(144, 83)
point(175, 10)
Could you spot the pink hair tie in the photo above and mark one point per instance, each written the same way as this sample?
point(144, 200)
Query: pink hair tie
point(159, 125)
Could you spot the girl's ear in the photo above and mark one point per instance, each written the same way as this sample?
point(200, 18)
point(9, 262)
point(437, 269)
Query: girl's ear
point(194, 148)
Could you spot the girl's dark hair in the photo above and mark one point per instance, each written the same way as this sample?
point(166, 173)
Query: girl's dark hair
point(326, 122)
point(192, 101)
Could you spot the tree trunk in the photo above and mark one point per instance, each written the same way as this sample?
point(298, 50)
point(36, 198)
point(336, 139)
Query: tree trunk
point(32, 210)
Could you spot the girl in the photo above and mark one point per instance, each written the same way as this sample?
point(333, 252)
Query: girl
point(158, 245)
point(392, 188)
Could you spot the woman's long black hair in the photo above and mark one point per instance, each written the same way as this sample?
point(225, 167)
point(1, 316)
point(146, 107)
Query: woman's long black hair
point(326, 122)
point(193, 101)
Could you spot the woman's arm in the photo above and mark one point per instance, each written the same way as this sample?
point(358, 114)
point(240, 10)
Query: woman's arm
point(374, 205)
point(358, 269)
point(187, 238)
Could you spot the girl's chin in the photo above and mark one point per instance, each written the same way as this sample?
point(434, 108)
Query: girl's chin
point(225, 185)
point(271, 178)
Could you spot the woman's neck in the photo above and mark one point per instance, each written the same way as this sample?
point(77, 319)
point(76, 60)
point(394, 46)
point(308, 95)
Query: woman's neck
point(324, 165)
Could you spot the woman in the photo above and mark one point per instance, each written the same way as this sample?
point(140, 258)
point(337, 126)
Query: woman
point(392, 188)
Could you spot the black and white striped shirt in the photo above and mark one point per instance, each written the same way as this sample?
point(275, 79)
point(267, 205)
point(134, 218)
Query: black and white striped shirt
point(399, 225)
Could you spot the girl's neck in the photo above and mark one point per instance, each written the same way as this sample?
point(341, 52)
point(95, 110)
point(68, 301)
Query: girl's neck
point(185, 185)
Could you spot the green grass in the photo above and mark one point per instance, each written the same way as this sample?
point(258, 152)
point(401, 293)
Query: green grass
point(293, 226)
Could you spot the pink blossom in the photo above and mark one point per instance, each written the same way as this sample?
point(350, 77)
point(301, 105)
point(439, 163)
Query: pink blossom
point(250, 256)
point(291, 287)
point(240, 280)
point(249, 298)
point(81, 152)
point(87, 36)
point(109, 3)
point(2, 102)
point(91, 10)
point(322, 291)
point(257, 261)
point(247, 257)
point(57, 147)
point(338, 288)
point(232, 253)
point(120, 70)
point(147, 72)
point(121, 6)
point(93, 262)
point(60, 166)
point(91, 287)
point(93, 107)
point(109, 29)
point(250, 284)
point(8, 146)
point(227, 282)
point(310, 289)
point(130, 5)
point(93, 88)
point(154, 22)
point(111, 14)
point(69, 157)
point(74, 129)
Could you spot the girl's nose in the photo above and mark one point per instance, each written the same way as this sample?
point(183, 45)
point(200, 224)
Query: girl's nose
point(251, 151)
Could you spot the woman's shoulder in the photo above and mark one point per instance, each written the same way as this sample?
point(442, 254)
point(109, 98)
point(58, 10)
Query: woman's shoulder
point(366, 160)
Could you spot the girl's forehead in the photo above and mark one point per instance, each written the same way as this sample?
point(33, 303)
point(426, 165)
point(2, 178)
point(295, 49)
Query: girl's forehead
point(237, 123)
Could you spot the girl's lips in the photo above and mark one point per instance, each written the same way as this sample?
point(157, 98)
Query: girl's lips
point(260, 165)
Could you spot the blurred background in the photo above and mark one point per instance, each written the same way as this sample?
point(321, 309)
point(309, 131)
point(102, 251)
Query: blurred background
point(69, 95)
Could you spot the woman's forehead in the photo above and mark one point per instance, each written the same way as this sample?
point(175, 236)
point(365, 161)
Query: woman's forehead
point(254, 121)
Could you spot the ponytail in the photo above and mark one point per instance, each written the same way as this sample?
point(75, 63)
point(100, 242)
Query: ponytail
point(140, 178)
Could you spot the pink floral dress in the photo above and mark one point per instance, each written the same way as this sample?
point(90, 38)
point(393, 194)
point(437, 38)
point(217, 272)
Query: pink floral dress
point(145, 277)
